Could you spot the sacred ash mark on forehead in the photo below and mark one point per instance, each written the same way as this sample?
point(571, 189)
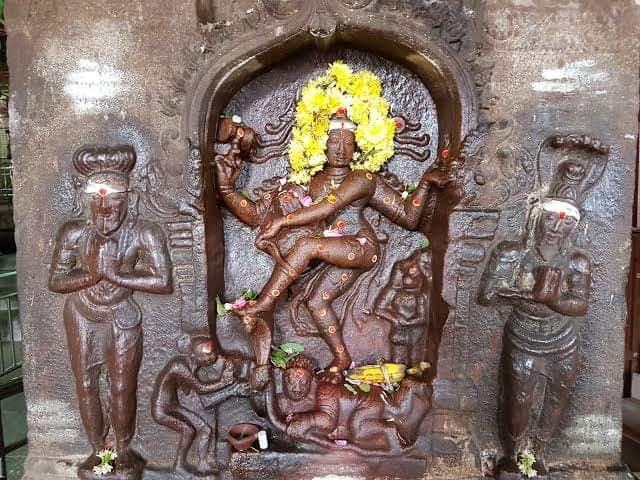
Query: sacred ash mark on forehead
point(103, 188)
point(562, 208)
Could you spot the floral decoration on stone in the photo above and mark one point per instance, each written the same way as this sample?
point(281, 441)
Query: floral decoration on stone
point(356, 98)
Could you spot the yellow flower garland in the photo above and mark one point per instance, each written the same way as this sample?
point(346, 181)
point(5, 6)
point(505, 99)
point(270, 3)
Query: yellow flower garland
point(361, 95)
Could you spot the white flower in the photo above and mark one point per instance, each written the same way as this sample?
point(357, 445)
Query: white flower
point(405, 195)
point(107, 453)
point(228, 307)
point(107, 458)
point(236, 119)
point(103, 469)
point(331, 233)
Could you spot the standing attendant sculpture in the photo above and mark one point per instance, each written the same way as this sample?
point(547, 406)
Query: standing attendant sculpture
point(100, 261)
point(547, 281)
point(405, 302)
point(334, 181)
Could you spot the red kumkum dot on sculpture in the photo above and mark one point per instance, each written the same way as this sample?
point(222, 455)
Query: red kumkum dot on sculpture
point(445, 153)
point(562, 215)
point(102, 192)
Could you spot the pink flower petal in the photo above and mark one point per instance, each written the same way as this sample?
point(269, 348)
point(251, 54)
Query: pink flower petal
point(341, 443)
point(361, 240)
point(306, 201)
point(240, 303)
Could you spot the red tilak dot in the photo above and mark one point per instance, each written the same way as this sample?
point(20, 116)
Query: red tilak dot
point(445, 153)
point(102, 192)
point(398, 125)
point(342, 111)
point(563, 215)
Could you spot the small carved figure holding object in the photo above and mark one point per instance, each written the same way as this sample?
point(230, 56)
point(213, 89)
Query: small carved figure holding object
point(181, 373)
point(405, 303)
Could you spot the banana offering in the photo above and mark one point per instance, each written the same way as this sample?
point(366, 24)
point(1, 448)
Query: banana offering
point(388, 373)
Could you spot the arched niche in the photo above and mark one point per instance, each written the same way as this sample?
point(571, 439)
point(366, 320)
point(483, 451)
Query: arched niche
point(438, 67)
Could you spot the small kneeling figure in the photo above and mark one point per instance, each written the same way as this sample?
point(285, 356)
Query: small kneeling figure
point(181, 372)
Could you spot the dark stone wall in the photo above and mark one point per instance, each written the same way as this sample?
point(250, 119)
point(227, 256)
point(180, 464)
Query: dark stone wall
point(134, 72)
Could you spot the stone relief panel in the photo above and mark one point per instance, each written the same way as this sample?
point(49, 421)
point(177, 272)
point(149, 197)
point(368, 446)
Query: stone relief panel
point(219, 393)
point(546, 280)
point(324, 304)
point(99, 260)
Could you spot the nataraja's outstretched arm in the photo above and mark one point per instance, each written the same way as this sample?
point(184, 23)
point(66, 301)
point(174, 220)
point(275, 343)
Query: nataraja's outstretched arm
point(227, 170)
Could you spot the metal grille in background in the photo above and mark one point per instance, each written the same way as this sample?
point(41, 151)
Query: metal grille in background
point(10, 332)
point(6, 167)
point(10, 360)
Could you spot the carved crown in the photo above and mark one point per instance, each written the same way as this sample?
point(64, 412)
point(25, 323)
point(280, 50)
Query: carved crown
point(92, 159)
point(575, 177)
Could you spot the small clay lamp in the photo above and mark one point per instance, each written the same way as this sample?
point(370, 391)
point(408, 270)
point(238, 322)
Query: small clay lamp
point(242, 436)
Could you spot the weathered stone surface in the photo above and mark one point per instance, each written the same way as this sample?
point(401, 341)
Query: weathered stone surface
point(142, 72)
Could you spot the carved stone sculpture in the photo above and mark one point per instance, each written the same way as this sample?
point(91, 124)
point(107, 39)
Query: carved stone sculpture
point(322, 227)
point(405, 303)
point(547, 282)
point(181, 374)
point(331, 416)
point(99, 261)
point(337, 199)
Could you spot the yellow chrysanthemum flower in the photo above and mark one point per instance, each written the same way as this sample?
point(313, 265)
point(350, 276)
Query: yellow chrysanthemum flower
point(361, 95)
point(342, 73)
point(366, 84)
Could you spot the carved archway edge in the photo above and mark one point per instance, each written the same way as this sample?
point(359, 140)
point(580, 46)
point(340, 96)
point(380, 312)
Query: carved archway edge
point(447, 73)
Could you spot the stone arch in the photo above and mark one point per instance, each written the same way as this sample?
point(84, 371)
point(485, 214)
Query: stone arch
point(438, 66)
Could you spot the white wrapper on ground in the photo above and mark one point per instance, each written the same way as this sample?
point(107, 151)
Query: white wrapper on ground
point(263, 441)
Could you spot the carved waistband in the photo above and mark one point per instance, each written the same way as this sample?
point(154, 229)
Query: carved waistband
point(541, 336)
point(125, 313)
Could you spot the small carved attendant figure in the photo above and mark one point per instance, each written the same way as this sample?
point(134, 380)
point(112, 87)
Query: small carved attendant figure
point(331, 416)
point(299, 387)
point(100, 261)
point(181, 373)
point(547, 282)
point(406, 303)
